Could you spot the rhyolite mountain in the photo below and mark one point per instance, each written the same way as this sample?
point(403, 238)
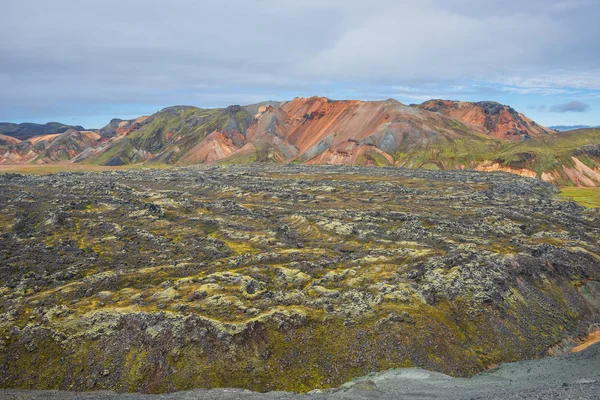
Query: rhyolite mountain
point(498, 121)
point(437, 134)
point(48, 148)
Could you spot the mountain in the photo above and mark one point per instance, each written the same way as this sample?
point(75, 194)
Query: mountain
point(48, 148)
point(120, 127)
point(68, 145)
point(28, 130)
point(437, 134)
point(496, 120)
point(315, 130)
point(564, 128)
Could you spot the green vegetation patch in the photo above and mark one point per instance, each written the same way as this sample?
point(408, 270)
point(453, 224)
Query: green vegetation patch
point(588, 197)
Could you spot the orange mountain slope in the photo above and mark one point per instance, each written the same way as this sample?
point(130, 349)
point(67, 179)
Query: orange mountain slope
point(45, 149)
point(494, 119)
point(319, 130)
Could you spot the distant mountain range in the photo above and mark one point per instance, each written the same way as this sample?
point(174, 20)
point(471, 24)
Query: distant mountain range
point(564, 128)
point(28, 130)
point(437, 134)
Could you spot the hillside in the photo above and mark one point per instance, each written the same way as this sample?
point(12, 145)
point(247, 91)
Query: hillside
point(570, 376)
point(171, 134)
point(68, 145)
point(569, 158)
point(438, 134)
point(284, 277)
point(8, 140)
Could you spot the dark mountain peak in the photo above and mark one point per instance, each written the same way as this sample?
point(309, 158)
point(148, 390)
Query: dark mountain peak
point(232, 109)
point(28, 130)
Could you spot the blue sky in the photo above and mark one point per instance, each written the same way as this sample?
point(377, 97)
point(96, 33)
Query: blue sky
point(88, 62)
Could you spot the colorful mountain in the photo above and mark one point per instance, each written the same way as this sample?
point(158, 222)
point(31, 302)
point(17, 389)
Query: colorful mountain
point(494, 119)
point(438, 134)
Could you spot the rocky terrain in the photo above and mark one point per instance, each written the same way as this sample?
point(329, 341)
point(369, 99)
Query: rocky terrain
point(438, 135)
point(271, 277)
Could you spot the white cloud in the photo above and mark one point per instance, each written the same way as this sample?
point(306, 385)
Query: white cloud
point(589, 79)
point(543, 91)
point(571, 106)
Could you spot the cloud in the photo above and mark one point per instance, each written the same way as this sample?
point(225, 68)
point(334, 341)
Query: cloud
point(59, 56)
point(589, 79)
point(540, 107)
point(572, 106)
point(542, 91)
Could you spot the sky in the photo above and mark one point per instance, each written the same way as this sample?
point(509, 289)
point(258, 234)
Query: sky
point(86, 62)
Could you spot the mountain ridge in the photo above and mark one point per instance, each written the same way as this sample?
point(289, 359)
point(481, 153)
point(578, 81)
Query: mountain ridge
point(437, 134)
point(27, 130)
